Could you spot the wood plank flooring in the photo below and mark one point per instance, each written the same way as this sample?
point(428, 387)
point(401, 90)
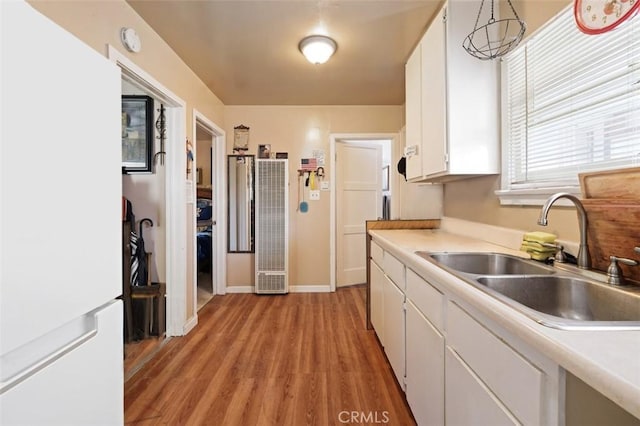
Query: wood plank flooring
point(137, 353)
point(296, 359)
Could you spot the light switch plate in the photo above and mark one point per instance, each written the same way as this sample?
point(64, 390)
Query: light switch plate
point(324, 185)
point(314, 195)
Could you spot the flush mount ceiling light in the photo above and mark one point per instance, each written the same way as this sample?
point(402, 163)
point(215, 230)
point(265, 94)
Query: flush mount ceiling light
point(317, 48)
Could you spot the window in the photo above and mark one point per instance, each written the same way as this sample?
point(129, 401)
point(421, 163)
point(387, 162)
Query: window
point(571, 104)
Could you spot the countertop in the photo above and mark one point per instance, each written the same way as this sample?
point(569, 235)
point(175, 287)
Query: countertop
point(609, 361)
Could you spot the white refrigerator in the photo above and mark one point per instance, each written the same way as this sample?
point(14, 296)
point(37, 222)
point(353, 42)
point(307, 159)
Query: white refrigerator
point(61, 346)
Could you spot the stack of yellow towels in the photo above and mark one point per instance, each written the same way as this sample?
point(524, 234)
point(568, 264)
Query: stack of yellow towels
point(533, 243)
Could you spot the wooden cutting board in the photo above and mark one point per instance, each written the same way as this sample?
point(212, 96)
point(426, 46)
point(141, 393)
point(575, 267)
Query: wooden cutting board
point(613, 228)
point(619, 183)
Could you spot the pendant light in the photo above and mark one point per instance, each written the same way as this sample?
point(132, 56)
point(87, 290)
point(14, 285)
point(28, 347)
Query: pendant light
point(317, 48)
point(497, 37)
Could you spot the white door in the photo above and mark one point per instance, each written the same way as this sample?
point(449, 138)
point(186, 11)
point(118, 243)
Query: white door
point(215, 197)
point(358, 199)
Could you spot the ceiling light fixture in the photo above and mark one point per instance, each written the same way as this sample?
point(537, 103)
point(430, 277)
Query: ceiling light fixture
point(317, 48)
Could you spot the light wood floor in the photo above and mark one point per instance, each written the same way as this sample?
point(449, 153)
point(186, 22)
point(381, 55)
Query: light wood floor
point(296, 359)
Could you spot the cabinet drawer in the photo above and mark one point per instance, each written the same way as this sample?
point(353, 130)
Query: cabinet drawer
point(376, 253)
point(468, 401)
point(426, 298)
point(394, 269)
point(512, 378)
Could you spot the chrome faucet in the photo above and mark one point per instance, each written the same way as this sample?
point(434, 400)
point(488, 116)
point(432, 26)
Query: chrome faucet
point(584, 260)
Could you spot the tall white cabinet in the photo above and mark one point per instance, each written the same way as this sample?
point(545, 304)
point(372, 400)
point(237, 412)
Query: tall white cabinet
point(456, 366)
point(452, 109)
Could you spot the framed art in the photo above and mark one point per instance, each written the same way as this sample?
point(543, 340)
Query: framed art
point(264, 151)
point(241, 138)
point(137, 134)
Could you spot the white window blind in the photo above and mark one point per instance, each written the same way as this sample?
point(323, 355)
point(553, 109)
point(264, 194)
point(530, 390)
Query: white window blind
point(572, 104)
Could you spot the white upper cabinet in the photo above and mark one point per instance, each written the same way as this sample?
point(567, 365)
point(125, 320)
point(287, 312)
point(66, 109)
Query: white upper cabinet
point(452, 115)
point(413, 111)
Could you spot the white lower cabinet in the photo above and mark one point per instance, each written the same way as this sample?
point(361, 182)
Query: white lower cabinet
point(425, 368)
point(468, 401)
point(376, 303)
point(457, 366)
point(513, 379)
point(394, 341)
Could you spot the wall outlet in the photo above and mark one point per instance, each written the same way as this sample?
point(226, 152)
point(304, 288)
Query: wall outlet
point(314, 195)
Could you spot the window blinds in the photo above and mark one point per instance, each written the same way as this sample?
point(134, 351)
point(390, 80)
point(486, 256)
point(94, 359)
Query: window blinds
point(572, 103)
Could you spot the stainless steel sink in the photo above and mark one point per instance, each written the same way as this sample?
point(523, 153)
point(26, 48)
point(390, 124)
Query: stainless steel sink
point(558, 298)
point(487, 263)
point(574, 299)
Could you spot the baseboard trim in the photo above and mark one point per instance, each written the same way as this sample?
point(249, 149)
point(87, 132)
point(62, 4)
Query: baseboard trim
point(310, 289)
point(190, 325)
point(240, 289)
point(292, 289)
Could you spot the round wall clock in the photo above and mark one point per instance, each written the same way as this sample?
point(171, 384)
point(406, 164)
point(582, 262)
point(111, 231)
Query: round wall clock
point(131, 40)
point(599, 16)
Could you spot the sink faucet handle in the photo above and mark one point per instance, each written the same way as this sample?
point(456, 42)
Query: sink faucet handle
point(559, 256)
point(614, 273)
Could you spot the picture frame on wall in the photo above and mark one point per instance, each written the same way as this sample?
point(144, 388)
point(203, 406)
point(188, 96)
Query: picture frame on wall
point(241, 138)
point(264, 151)
point(137, 134)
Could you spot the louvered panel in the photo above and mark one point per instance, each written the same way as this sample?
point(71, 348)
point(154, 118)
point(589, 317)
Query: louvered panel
point(270, 283)
point(271, 250)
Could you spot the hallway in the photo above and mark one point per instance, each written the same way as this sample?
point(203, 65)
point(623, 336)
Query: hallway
point(297, 359)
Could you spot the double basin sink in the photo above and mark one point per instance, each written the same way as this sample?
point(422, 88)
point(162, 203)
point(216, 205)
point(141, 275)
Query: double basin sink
point(552, 297)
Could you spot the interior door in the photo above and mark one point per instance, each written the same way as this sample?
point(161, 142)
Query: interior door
point(216, 197)
point(358, 199)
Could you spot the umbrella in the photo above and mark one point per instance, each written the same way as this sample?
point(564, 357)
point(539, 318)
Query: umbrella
point(139, 267)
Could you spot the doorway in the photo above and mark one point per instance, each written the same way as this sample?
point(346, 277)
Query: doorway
point(205, 216)
point(170, 229)
point(210, 220)
point(360, 191)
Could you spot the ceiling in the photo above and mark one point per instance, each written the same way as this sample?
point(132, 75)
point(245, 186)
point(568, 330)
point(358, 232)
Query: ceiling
point(247, 53)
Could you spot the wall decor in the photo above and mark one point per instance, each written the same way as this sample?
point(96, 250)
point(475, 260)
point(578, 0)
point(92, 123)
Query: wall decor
point(241, 138)
point(190, 158)
point(137, 134)
point(598, 16)
point(264, 151)
point(161, 127)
